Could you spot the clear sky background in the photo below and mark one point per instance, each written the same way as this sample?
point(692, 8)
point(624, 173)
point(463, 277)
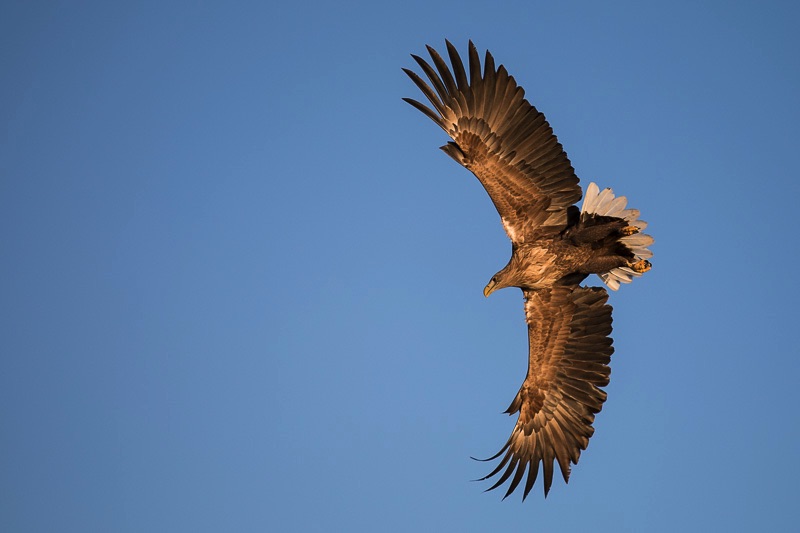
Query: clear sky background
point(241, 286)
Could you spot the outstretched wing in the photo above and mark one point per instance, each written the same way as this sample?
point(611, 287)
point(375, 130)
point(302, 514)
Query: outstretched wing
point(501, 138)
point(570, 349)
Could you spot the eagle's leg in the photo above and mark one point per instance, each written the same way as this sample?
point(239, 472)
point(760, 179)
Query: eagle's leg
point(597, 232)
point(604, 263)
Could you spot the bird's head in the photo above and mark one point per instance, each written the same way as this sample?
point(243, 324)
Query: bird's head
point(490, 287)
point(500, 280)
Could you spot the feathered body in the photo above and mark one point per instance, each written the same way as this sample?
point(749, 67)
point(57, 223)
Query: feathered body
point(565, 257)
point(510, 147)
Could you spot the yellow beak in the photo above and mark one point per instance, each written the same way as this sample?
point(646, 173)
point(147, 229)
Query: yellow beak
point(489, 288)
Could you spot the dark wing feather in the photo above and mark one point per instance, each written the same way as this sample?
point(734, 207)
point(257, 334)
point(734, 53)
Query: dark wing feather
point(498, 135)
point(570, 349)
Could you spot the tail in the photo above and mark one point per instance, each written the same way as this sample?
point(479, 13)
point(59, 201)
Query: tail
point(604, 203)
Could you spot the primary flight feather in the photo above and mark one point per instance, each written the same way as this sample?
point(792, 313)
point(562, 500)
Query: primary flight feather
point(509, 145)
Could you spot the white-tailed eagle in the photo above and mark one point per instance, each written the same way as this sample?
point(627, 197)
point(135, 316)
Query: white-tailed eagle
point(507, 143)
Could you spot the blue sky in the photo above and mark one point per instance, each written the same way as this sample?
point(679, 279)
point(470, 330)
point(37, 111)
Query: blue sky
point(242, 288)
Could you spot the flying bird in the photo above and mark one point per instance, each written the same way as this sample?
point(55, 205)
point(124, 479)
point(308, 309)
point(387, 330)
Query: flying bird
point(510, 147)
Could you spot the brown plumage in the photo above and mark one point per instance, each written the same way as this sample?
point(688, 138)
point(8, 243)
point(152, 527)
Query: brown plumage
point(507, 143)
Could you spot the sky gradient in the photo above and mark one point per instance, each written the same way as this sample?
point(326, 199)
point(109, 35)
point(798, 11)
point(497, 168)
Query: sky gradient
point(242, 287)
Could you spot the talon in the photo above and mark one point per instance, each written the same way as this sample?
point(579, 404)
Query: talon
point(630, 230)
point(640, 266)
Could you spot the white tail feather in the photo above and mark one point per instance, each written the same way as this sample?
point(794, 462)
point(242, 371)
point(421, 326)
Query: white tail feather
point(605, 203)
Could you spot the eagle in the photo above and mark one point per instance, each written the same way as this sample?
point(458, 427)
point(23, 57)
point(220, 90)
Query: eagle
point(510, 147)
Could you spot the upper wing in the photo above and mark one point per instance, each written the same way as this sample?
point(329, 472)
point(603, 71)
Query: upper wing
point(570, 349)
point(501, 138)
